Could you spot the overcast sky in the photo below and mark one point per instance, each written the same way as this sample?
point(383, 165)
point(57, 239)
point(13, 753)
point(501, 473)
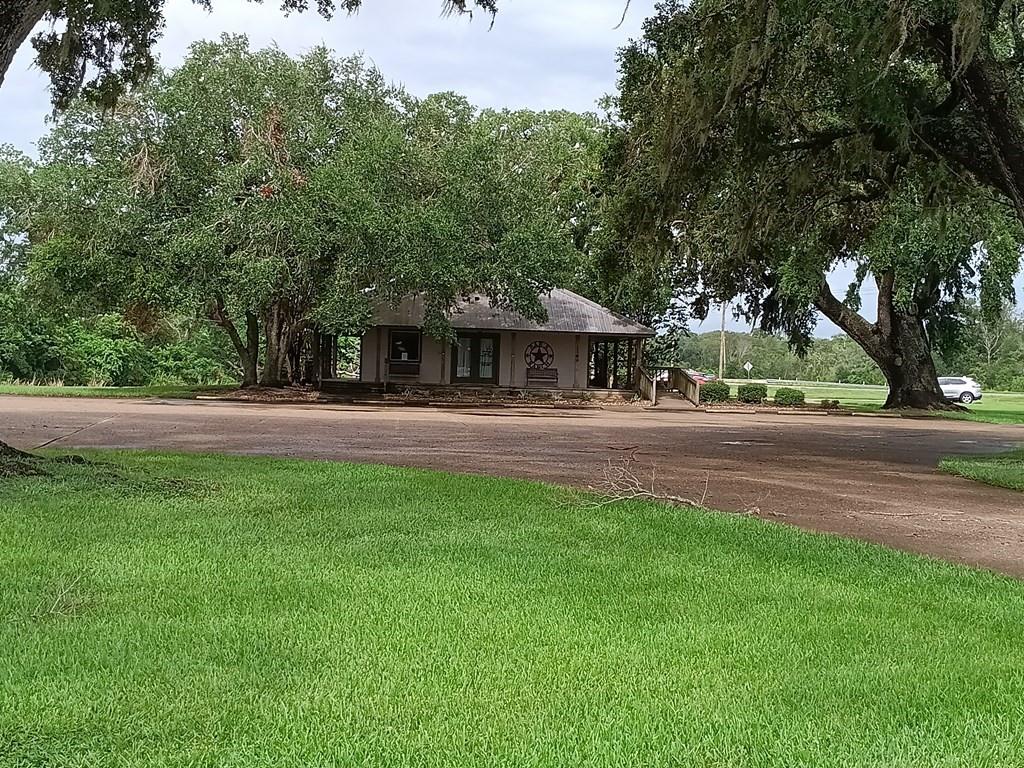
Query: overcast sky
point(540, 54)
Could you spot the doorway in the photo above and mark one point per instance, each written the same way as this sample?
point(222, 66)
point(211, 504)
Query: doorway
point(475, 358)
point(613, 362)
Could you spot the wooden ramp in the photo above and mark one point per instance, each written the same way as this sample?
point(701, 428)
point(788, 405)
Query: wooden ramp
point(669, 388)
point(673, 401)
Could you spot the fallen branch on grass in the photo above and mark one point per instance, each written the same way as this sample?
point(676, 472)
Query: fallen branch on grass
point(624, 479)
point(62, 605)
point(10, 452)
point(16, 463)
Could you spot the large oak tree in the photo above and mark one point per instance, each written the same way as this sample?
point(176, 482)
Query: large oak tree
point(768, 141)
point(106, 46)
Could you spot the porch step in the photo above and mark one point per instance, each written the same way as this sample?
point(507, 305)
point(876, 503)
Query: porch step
point(349, 388)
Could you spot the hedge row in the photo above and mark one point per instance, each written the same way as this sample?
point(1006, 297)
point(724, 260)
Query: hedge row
point(788, 396)
point(752, 393)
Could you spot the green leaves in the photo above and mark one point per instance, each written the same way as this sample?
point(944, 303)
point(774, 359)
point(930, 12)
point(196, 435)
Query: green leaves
point(100, 50)
point(256, 179)
point(766, 143)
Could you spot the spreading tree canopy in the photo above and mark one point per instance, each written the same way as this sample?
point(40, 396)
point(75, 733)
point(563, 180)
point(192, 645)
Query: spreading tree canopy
point(768, 141)
point(284, 197)
point(106, 46)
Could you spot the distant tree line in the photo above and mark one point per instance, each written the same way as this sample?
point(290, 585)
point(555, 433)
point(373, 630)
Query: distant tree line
point(991, 352)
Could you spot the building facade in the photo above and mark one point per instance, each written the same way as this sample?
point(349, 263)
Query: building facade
point(581, 346)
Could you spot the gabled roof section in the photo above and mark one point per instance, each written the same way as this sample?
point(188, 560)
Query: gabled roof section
point(567, 312)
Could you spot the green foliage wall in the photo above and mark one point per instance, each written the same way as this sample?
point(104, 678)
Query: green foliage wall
point(106, 349)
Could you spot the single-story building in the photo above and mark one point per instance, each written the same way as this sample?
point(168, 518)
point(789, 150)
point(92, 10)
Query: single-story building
point(581, 345)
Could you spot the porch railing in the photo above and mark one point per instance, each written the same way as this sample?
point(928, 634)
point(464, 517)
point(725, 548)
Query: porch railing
point(647, 383)
point(677, 380)
point(681, 382)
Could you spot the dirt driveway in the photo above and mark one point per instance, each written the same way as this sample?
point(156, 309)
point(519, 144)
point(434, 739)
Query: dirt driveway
point(871, 478)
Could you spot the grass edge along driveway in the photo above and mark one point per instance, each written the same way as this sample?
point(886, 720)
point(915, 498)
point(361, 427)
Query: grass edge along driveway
point(174, 391)
point(165, 610)
point(1005, 470)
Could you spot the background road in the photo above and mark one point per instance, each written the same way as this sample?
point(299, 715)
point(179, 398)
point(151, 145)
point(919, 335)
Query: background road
point(867, 477)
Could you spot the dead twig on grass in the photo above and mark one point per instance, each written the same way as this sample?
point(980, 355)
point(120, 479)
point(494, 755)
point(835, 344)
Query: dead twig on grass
point(624, 478)
point(67, 602)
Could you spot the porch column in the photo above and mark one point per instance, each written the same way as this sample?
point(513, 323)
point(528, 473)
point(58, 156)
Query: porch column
point(380, 332)
point(512, 361)
point(576, 365)
point(638, 345)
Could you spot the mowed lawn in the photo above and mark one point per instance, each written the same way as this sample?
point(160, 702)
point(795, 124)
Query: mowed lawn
point(1005, 470)
point(994, 407)
point(156, 390)
point(165, 610)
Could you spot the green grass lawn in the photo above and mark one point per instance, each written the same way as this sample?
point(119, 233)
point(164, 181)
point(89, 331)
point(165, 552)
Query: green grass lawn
point(169, 391)
point(166, 610)
point(994, 407)
point(1005, 470)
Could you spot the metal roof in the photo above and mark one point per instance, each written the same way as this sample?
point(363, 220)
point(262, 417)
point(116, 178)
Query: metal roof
point(567, 312)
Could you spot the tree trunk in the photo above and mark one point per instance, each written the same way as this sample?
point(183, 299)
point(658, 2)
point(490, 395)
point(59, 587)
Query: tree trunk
point(275, 364)
point(909, 368)
point(898, 343)
point(314, 363)
point(248, 351)
point(329, 357)
point(251, 361)
point(17, 18)
point(296, 341)
point(321, 363)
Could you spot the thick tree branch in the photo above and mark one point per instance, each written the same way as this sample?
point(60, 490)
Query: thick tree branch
point(17, 18)
point(219, 315)
point(817, 141)
point(986, 136)
point(885, 283)
point(856, 327)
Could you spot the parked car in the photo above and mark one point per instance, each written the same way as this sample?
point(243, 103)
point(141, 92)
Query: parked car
point(963, 389)
point(700, 377)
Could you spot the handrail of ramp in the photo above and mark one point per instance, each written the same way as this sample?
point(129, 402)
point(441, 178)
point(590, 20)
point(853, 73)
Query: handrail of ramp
point(647, 383)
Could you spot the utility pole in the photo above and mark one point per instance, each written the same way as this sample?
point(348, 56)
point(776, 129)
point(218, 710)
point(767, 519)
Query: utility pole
point(721, 346)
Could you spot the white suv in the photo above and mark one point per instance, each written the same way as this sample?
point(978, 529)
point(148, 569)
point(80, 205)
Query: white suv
point(962, 388)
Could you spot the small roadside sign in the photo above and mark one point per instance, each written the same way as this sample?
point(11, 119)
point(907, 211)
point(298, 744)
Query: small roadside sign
point(747, 366)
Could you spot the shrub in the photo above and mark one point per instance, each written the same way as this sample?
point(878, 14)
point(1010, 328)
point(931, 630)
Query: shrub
point(714, 392)
point(789, 397)
point(752, 393)
point(829, 403)
point(105, 351)
point(183, 364)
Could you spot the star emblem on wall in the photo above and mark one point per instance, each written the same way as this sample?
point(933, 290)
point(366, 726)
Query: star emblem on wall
point(539, 355)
